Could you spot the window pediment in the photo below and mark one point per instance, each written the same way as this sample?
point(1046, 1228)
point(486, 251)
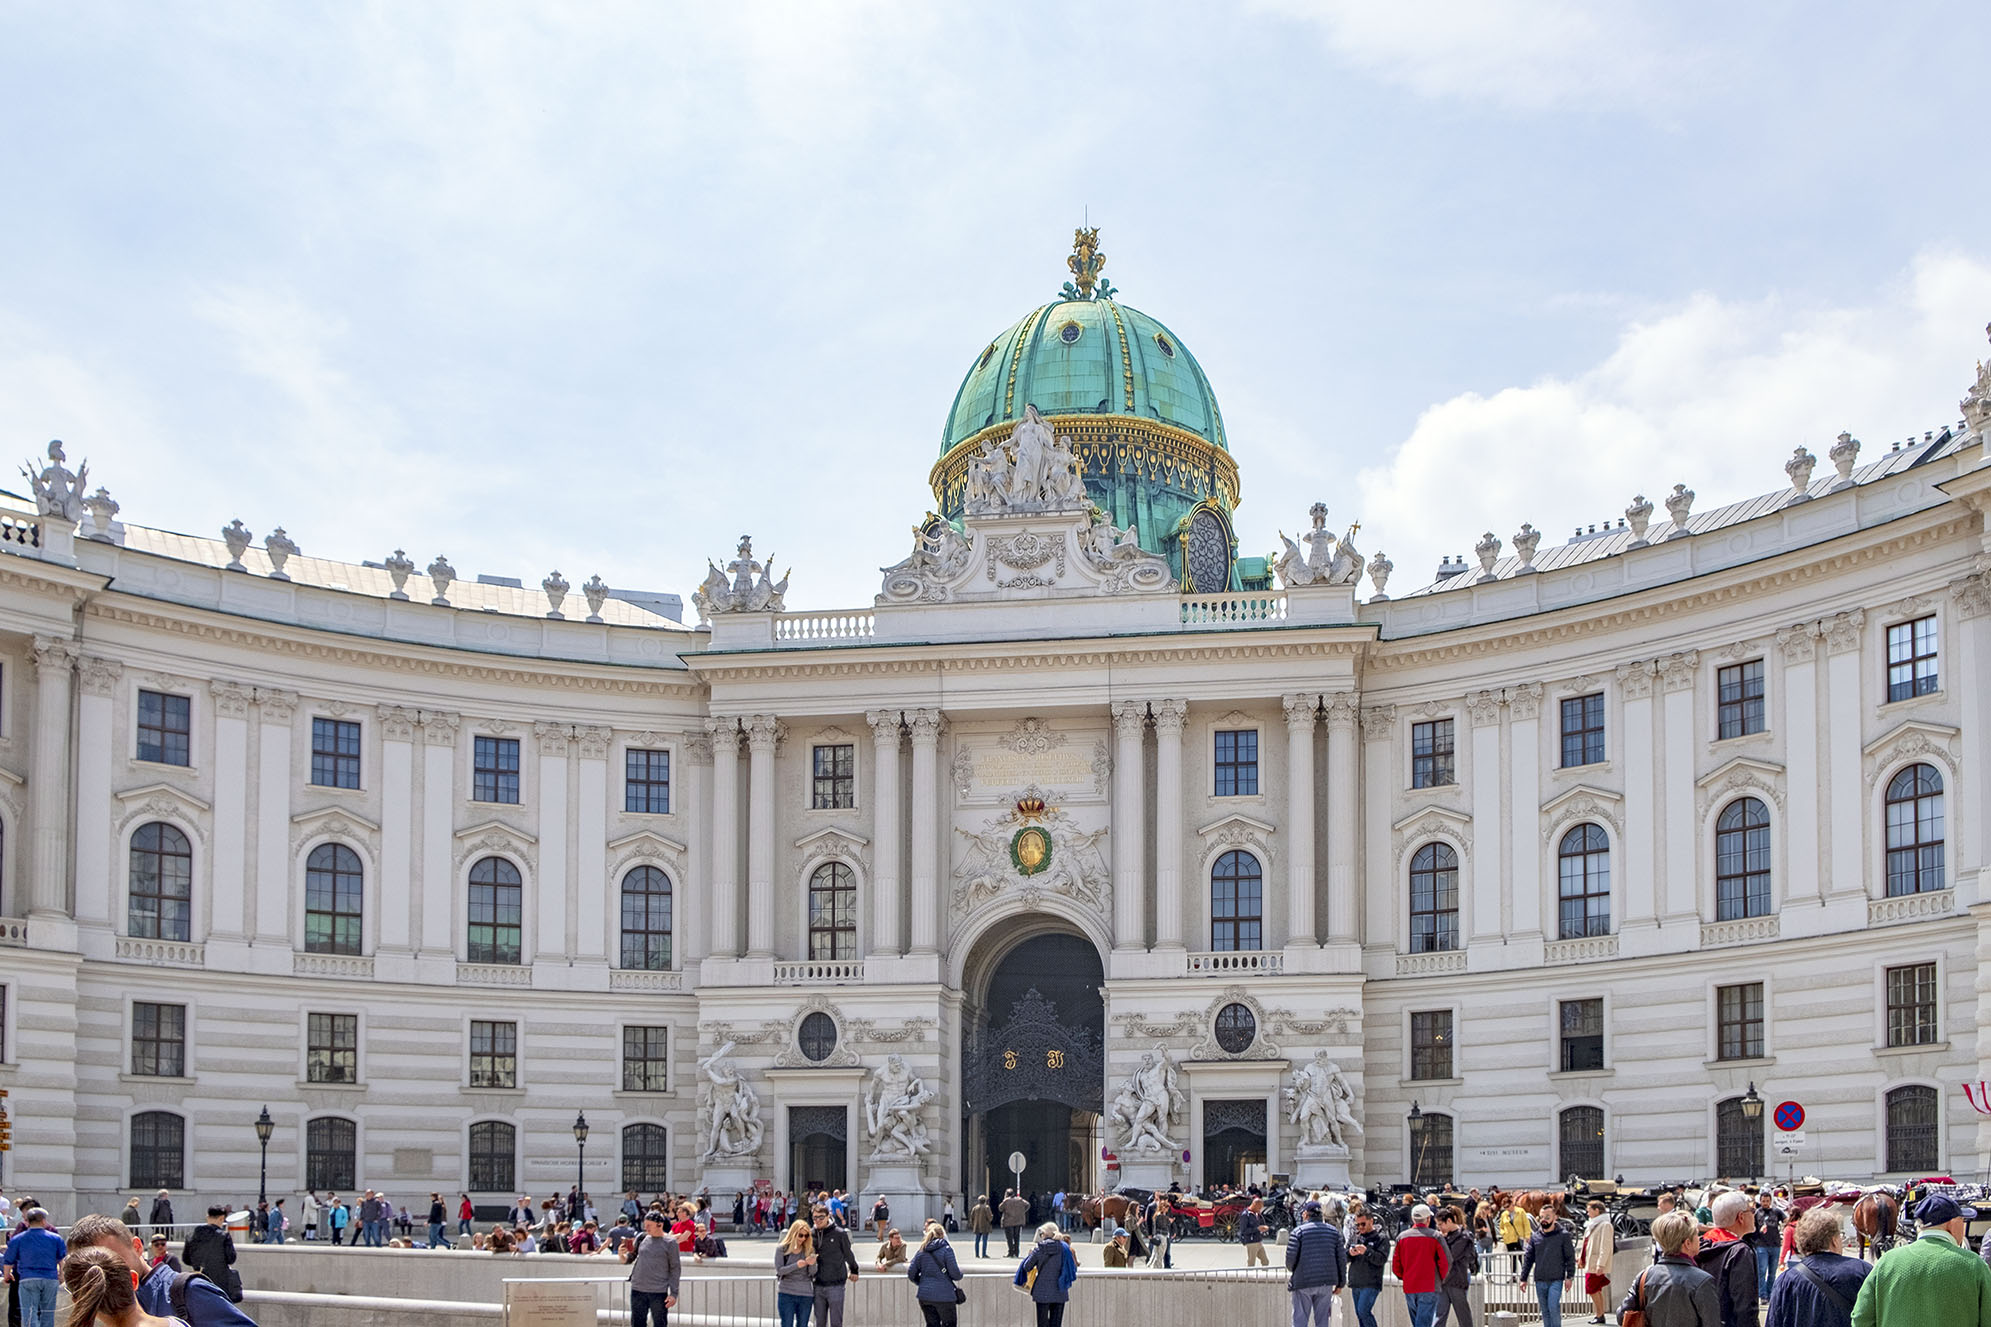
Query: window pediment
point(496, 836)
point(1583, 802)
point(1909, 740)
point(1431, 822)
point(1738, 775)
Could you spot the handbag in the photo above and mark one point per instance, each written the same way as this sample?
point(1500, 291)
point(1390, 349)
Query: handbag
point(960, 1295)
point(1635, 1315)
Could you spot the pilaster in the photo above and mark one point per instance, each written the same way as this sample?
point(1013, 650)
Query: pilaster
point(1168, 720)
point(763, 733)
point(1846, 869)
point(1527, 927)
point(1489, 850)
point(436, 920)
point(1638, 932)
point(96, 722)
point(1804, 879)
point(1676, 678)
point(725, 735)
point(587, 908)
point(229, 896)
point(276, 874)
point(550, 880)
point(1129, 826)
point(925, 838)
point(399, 903)
point(886, 735)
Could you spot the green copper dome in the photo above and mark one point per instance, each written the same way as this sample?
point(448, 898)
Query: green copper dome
point(1085, 357)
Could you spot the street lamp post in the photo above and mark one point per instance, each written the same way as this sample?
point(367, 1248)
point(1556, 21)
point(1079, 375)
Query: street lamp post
point(581, 1143)
point(265, 1126)
point(1752, 1111)
point(1417, 1136)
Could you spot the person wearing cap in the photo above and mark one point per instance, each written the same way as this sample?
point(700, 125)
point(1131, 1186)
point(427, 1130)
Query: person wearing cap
point(1421, 1263)
point(1934, 1280)
point(1317, 1263)
point(160, 1255)
point(1368, 1259)
point(1117, 1253)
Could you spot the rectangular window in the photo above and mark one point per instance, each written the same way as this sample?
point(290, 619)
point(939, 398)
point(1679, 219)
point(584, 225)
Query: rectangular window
point(1911, 658)
point(1739, 688)
point(494, 770)
point(165, 728)
point(1911, 1005)
point(1431, 754)
point(334, 753)
point(331, 1048)
point(1237, 762)
point(646, 782)
point(1582, 730)
point(1431, 1044)
point(493, 1054)
point(646, 1059)
point(835, 787)
point(159, 1040)
point(1739, 1011)
point(1582, 1035)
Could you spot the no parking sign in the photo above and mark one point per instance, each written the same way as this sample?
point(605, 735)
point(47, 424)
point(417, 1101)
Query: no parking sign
point(1789, 1117)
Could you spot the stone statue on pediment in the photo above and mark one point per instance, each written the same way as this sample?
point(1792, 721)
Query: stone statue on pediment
point(58, 491)
point(746, 586)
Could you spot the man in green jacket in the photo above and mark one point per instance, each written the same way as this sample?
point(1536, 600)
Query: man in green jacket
point(1934, 1280)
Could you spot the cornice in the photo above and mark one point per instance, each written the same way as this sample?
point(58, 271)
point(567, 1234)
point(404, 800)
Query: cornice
point(920, 660)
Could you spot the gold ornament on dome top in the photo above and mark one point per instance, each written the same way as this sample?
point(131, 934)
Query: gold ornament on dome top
point(1085, 263)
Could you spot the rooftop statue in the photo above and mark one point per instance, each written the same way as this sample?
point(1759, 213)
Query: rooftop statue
point(1327, 561)
point(940, 554)
point(1085, 263)
point(751, 589)
point(1034, 471)
point(58, 492)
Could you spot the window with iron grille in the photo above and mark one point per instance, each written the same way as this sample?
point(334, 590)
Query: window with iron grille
point(646, 1064)
point(158, 1150)
point(494, 770)
point(1739, 699)
point(331, 1153)
point(1582, 1036)
point(493, 1157)
point(646, 1158)
point(1580, 1134)
point(1914, 831)
point(1431, 1044)
point(1237, 907)
point(493, 1054)
point(1236, 1028)
point(497, 912)
point(334, 753)
point(1911, 658)
point(165, 728)
point(1739, 1016)
point(834, 787)
point(1742, 861)
point(1237, 762)
point(646, 782)
point(1431, 754)
point(832, 913)
point(1430, 1149)
point(817, 1037)
point(331, 1048)
point(1738, 1141)
point(1434, 899)
point(160, 905)
point(646, 919)
point(1911, 1005)
point(159, 1040)
point(334, 890)
point(1582, 730)
point(1583, 864)
point(1912, 1124)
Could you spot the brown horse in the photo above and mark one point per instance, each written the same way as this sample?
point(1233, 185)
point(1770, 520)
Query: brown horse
point(1112, 1209)
point(1876, 1218)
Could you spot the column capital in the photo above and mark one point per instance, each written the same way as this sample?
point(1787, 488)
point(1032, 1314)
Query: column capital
point(1972, 594)
point(1169, 716)
point(1842, 630)
point(231, 699)
point(55, 653)
point(397, 722)
point(925, 725)
point(698, 747)
point(553, 738)
point(1799, 643)
point(1483, 707)
point(764, 734)
point(439, 727)
point(1676, 671)
point(1129, 716)
point(1525, 701)
point(1341, 709)
point(1302, 708)
point(724, 732)
point(276, 703)
point(593, 741)
point(1635, 679)
point(100, 676)
point(886, 726)
point(1379, 723)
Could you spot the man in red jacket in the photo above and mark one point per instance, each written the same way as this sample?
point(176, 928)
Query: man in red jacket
point(1420, 1262)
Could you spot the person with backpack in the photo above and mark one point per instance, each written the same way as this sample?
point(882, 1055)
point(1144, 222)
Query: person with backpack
point(655, 1267)
point(210, 1250)
point(836, 1266)
point(935, 1271)
point(1048, 1272)
point(1316, 1266)
point(190, 1296)
point(1455, 1292)
point(1728, 1257)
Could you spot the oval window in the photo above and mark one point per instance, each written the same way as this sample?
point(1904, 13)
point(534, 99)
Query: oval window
point(1237, 1028)
point(817, 1037)
point(1070, 333)
point(987, 355)
point(1166, 346)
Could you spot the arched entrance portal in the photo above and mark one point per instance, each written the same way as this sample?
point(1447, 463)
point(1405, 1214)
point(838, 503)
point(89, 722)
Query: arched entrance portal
point(1032, 1066)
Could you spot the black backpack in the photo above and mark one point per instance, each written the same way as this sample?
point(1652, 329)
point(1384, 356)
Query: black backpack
point(178, 1292)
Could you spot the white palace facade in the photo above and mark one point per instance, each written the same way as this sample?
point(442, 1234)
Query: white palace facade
point(1556, 860)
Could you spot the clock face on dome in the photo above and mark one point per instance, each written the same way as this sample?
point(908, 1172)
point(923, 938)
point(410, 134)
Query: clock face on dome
point(1206, 555)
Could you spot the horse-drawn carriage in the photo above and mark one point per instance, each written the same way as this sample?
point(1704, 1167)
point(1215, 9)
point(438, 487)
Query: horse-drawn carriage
point(1190, 1215)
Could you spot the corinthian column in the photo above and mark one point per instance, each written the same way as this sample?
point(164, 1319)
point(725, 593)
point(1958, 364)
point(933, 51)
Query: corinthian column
point(762, 734)
point(1169, 715)
point(48, 782)
point(1343, 810)
point(1129, 826)
point(925, 831)
point(884, 831)
point(725, 836)
point(1300, 714)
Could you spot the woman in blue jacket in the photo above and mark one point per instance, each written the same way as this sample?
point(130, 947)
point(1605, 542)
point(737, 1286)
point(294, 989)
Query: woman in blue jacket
point(934, 1270)
point(1056, 1270)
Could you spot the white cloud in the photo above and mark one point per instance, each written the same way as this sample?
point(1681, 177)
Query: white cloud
point(1712, 393)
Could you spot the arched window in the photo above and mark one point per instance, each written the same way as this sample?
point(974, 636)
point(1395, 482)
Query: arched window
point(646, 1158)
point(497, 909)
point(1580, 1134)
point(331, 1153)
point(162, 884)
point(1912, 1117)
point(493, 1158)
point(158, 1150)
point(1914, 831)
point(1742, 861)
point(333, 887)
point(1430, 1149)
point(1237, 903)
point(1738, 1141)
point(1434, 899)
point(646, 919)
point(1584, 866)
point(832, 912)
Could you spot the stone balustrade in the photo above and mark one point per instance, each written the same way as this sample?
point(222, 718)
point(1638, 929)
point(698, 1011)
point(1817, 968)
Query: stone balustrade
point(1583, 949)
point(13, 931)
point(1248, 608)
point(1430, 965)
point(640, 979)
point(332, 965)
point(162, 953)
point(833, 625)
point(1910, 907)
point(19, 534)
point(1228, 963)
point(816, 972)
point(1741, 931)
point(493, 974)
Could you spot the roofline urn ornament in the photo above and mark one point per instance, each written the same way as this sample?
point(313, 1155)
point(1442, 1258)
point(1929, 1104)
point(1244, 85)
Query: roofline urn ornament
point(1487, 550)
point(1679, 503)
point(1799, 468)
point(441, 573)
point(1845, 451)
point(1380, 568)
point(236, 535)
point(103, 516)
point(1526, 540)
point(556, 588)
point(1640, 516)
point(399, 568)
point(280, 549)
point(596, 591)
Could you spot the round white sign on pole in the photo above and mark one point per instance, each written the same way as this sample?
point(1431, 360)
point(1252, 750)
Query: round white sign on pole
point(1017, 1161)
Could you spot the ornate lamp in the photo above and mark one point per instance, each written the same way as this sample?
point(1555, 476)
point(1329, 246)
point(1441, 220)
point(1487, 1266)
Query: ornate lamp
point(581, 1143)
point(1752, 1111)
point(265, 1126)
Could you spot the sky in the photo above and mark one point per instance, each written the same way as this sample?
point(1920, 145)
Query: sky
point(603, 286)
